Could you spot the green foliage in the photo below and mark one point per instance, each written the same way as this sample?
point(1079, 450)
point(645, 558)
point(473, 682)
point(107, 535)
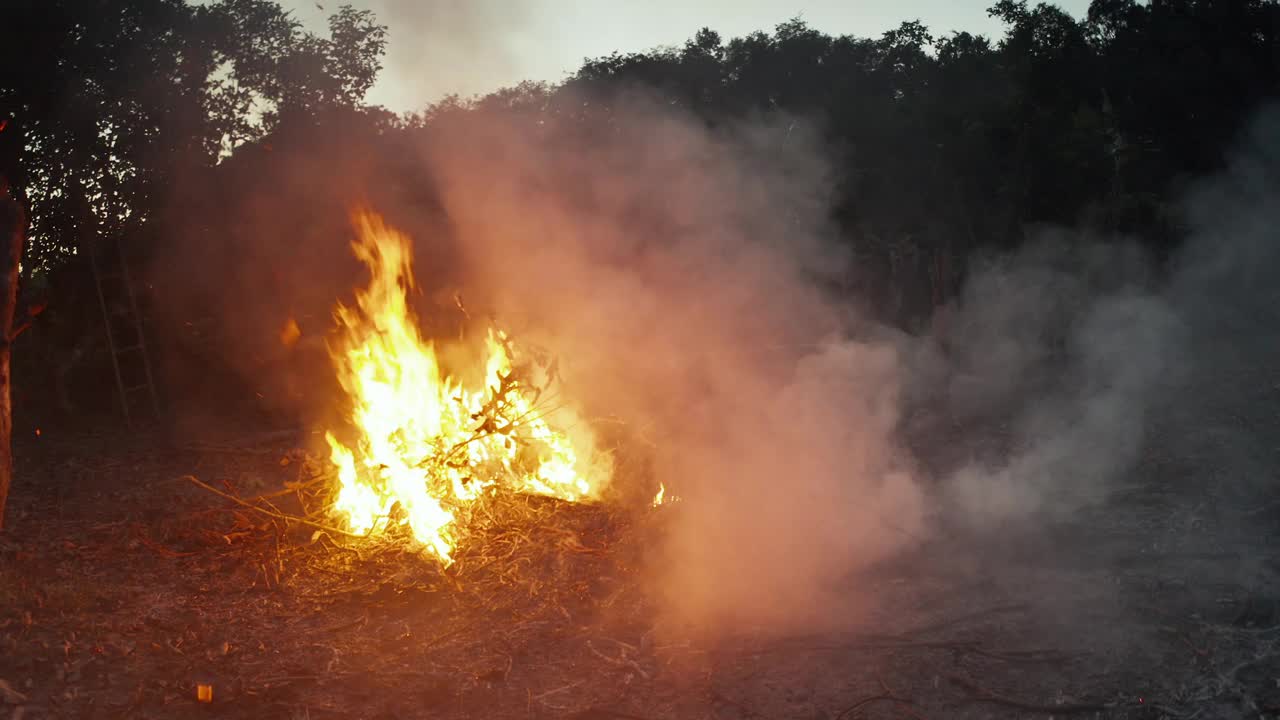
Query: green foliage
point(105, 102)
point(939, 143)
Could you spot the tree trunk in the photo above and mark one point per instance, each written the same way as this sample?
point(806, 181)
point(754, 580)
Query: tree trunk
point(12, 228)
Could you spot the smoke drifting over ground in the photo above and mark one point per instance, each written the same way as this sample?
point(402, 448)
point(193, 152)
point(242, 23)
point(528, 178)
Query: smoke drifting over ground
point(1080, 343)
point(678, 271)
point(679, 275)
point(1065, 343)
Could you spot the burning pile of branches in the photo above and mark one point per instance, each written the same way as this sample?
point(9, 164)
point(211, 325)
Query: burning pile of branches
point(432, 457)
point(425, 446)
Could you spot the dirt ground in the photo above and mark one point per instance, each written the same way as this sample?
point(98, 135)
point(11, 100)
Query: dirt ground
point(123, 587)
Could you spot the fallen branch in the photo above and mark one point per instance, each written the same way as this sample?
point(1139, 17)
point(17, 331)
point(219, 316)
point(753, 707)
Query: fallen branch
point(968, 617)
point(9, 695)
point(889, 695)
point(272, 513)
point(555, 691)
point(907, 639)
point(957, 647)
point(293, 487)
point(160, 549)
point(848, 712)
point(623, 661)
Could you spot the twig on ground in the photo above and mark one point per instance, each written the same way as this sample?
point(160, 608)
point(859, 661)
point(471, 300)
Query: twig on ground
point(293, 487)
point(968, 617)
point(1199, 651)
point(555, 691)
point(977, 693)
point(883, 697)
point(906, 639)
point(1015, 656)
point(363, 619)
point(10, 695)
point(717, 695)
point(622, 661)
point(446, 635)
point(959, 647)
point(324, 535)
point(158, 548)
point(887, 696)
point(271, 513)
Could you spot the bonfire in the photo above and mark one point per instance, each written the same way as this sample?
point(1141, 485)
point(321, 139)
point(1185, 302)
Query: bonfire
point(426, 442)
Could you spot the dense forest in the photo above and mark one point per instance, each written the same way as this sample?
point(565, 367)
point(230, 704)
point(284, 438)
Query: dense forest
point(144, 119)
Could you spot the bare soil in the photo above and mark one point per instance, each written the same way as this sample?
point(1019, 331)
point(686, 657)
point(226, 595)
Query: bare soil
point(123, 587)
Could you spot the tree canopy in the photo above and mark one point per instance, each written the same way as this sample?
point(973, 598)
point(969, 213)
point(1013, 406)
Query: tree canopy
point(942, 142)
point(103, 102)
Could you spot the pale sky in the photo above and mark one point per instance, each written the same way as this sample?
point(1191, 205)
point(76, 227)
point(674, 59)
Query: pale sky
point(437, 47)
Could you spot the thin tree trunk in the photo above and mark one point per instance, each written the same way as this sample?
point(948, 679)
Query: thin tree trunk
point(12, 228)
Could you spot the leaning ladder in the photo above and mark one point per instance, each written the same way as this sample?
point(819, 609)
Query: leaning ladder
point(123, 323)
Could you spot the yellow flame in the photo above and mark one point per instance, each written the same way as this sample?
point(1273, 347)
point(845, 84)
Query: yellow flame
point(425, 445)
point(662, 498)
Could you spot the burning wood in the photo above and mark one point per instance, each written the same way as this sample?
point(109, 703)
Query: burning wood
point(425, 444)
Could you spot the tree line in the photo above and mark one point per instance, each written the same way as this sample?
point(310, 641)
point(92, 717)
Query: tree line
point(944, 144)
point(954, 138)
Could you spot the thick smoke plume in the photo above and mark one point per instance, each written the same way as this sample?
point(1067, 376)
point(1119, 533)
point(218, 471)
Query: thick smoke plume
point(1083, 347)
point(1064, 344)
point(677, 273)
point(680, 274)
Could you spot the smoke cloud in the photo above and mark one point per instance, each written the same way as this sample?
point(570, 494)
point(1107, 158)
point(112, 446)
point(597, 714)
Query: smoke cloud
point(441, 47)
point(1065, 343)
point(677, 274)
point(1091, 353)
point(681, 275)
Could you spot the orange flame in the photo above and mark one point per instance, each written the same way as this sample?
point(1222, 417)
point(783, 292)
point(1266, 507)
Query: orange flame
point(290, 333)
point(428, 444)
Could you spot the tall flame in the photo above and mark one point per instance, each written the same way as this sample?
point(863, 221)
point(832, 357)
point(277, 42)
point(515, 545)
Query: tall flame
point(426, 445)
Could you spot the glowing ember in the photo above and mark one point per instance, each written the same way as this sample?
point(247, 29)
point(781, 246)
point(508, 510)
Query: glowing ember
point(425, 444)
point(290, 333)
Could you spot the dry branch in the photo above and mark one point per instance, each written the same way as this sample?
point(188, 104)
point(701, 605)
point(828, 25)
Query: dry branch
point(849, 711)
point(271, 513)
